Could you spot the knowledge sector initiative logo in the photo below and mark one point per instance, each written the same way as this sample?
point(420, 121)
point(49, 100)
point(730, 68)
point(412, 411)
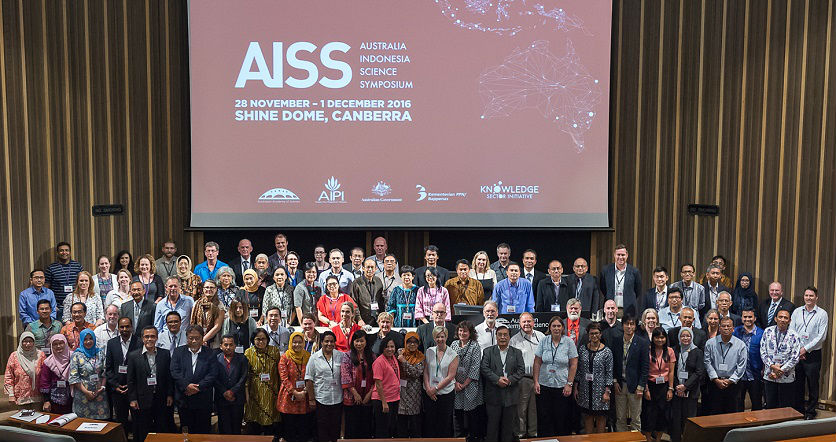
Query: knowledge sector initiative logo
point(499, 190)
point(332, 193)
point(278, 195)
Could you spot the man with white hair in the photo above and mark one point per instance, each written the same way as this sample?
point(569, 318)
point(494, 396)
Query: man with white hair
point(108, 330)
point(575, 324)
point(527, 341)
point(486, 331)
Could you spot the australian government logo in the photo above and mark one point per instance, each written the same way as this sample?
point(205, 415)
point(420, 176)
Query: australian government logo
point(332, 193)
point(278, 195)
point(382, 192)
point(499, 190)
point(425, 195)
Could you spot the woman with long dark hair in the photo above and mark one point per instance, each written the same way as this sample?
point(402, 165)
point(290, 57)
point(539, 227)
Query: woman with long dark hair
point(386, 395)
point(659, 389)
point(358, 383)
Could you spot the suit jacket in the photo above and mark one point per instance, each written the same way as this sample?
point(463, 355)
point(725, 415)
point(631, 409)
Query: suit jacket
point(638, 359)
point(735, 317)
point(707, 294)
point(695, 367)
point(425, 332)
point(235, 264)
point(582, 324)
point(699, 337)
point(443, 276)
point(650, 298)
point(783, 304)
point(204, 374)
point(149, 396)
point(114, 359)
point(544, 296)
point(589, 295)
point(146, 313)
point(235, 379)
point(492, 369)
point(539, 275)
point(633, 302)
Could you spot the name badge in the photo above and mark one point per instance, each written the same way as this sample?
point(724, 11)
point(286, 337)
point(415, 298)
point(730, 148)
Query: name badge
point(68, 288)
point(374, 306)
point(407, 316)
point(300, 384)
point(239, 349)
point(254, 312)
point(363, 383)
point(590, 377)
point(46, 350)
point(724, 367)
point(552, 371)
point(403, 382)
point(61, 384)
point(94, 378)
point(151, 381)
point(660, 380)
point(512, 309)
point(683, 377)
point(805, 336)
point(555, 307)
point(265, 377)
point(123, 369)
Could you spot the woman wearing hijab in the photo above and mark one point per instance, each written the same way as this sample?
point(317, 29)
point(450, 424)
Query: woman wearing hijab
point(690, 371)
point(208, 314)
point(744, 296)
point(292, 402)
point(87, 378)
point(411, 362)
point(190, 284)
point(52, 381)
point(22, 370)
point(253, 294)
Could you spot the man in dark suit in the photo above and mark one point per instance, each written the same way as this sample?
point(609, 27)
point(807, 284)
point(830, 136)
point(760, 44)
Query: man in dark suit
point(622, 282)
point(502, 367)
point(431, 260)
point(233, 369)
point(769, 307)
point(724, 303)
point(194, 370)
point(713, 287)
point(551, 294)
point(630, 382)
point(150, 389)
point(533, 275)
point(657, 297)
point(425, 331)
point(116, 369)
point(686, 316)
point(244, 261)
point(140, 310)
point(584, 286)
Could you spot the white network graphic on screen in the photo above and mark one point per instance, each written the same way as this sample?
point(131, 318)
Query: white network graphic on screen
point(508, 17)
point(560, 88)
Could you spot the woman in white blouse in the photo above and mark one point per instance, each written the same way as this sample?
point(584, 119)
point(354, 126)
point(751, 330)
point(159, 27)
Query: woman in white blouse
point(440, 369)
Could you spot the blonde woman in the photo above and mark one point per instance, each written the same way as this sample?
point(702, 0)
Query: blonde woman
point(83, 293)
point(481, 271)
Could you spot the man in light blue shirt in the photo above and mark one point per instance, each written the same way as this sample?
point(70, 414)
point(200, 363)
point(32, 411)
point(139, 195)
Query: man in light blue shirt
point(173, 301)
point(513, 295)
point(27, 303)
point(725, 364)
point(209, 269)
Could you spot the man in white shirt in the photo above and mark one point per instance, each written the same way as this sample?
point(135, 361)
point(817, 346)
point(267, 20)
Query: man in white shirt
point(527, 341)
point(381, 251)
point(336, 257)
point(669, 315)
point(486, 331)
point(174, 335)
point(389, 275)
point(810, 323)
point(108, 330)
point(278, 335)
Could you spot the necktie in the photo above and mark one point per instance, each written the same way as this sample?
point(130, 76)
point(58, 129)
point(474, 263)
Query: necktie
point(173, 342)
point(771, 313)
point(246, 265)
point(578, 290)
point(530, 277)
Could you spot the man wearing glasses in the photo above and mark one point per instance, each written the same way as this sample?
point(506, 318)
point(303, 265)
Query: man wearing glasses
point(584, 287)
point(425, 331)
point(693, 294)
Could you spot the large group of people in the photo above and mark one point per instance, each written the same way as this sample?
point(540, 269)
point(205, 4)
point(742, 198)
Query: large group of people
point(318, 351)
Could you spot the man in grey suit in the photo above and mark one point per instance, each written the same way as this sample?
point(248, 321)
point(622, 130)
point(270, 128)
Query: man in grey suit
point(622, 282)
point(502, 367)
point(140, 310)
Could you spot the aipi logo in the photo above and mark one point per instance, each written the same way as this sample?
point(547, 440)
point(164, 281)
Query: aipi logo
point(332, 192)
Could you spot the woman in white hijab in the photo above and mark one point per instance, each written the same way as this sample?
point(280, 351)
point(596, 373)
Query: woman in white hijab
point(22, 370)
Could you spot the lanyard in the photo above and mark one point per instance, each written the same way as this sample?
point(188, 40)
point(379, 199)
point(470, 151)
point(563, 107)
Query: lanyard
point(724, 354)
point(530, 342)
point(804, 318)
point(675, 323)
point(660, 363)
point(554, 349)
point(168, 267)
point(438, 361)
point(334, 306)
point(777, 342)
point(620, 282)
point(273, 339)
point(512, 300)
point(330, 363)
point(387, 286)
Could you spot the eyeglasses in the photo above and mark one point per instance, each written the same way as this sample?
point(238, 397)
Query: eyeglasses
point(439, 312)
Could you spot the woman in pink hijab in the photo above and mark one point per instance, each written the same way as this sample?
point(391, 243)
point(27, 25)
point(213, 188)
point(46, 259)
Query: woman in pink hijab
point(53, 377)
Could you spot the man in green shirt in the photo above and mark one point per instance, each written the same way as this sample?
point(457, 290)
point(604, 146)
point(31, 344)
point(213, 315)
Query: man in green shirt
point(45, 326)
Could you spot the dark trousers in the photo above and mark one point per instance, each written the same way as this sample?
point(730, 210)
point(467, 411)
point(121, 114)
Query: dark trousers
point(358, 422)
point(122, 408)
point(469, 424)
point(296, 428)
point(722, 401)
point(409, 426)
point(385, 424)
point(198, 420)
point(681, 409)
point(779, 395)
point(502, 423)
point(328, 419)
point(807, 373)
point(755, 390)
point(438, 415)
point(230, 415)
point(551, 412)
point(152, 420)
point(258, 429)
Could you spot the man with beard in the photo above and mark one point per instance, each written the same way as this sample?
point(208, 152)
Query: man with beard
point(751, 382)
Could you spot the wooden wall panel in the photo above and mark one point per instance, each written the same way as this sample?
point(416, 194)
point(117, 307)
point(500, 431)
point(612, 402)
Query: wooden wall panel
point(718, 102)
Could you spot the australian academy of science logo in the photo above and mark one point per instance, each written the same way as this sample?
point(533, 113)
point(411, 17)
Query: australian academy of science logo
point(424, 195)
point(500, 191)
point(332, 193)
point(382, 190)
point(278, 195)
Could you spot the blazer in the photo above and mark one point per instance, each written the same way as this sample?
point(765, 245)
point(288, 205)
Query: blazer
point(699, 337)
point(114, 358)
point(235, 265)
point(234, 380)
point(425, 332)
point(491, 369)
point(695, 369)
point(544, 296)
point(650, 298)
point(204, 374)
point(583, 323)
point(146, 313)
point(589, 295)
point(707, 294)
point(632, 287)
point(539, 275)
point(783, 304)
point(638, 359)
point(735, 317)
point(149, 396)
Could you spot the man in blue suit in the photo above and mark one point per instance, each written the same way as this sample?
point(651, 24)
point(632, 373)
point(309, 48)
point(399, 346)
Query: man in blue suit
point(194, 370)
point(622, 283)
